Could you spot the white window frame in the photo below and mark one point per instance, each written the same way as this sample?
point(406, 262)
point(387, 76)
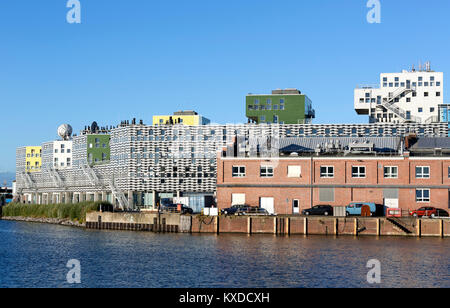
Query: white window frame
point(239, 174)
point(359, 174)
point(390, 174)
point(422, 175)
point(264, 171)
point(423, 199)
point(327, 174)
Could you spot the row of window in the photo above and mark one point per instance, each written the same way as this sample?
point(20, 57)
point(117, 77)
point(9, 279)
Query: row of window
point(269, 101)
point(369, 99)
point(267, 107)
point(414, 84)
point(389, 172)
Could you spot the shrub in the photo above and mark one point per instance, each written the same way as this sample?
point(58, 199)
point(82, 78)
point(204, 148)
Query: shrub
point(74, 212)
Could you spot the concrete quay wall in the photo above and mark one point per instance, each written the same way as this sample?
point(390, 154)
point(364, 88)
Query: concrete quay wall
point(286, 225)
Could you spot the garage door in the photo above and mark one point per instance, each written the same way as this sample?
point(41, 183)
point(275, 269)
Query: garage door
point(237, 199)
point(268, 204)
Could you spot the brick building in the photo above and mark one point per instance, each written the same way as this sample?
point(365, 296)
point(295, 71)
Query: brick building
point(344, 170)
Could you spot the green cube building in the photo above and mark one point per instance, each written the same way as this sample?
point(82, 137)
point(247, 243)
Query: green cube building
point(98, 149)
point(287, 106)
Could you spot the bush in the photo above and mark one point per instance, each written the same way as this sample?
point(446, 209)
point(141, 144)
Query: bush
point(74, 212)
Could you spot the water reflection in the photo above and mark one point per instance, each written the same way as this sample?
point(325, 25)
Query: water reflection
point(35, 255)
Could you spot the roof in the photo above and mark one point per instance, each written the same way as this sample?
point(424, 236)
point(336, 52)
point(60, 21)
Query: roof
point(309, 144)
point(432, 143)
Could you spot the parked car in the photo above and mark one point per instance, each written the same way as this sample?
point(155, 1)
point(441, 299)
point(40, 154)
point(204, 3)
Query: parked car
point(243, 209)
point(174, 208)
point(429, 212)
point(355, 208)
point(326, 210)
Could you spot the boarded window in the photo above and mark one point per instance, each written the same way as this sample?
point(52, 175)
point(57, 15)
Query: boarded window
point(238, 199)
point(326, 194)
point(294, 171)
point(390, 193)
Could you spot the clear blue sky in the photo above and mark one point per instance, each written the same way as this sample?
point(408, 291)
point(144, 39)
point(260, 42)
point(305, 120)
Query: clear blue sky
point(137, 58)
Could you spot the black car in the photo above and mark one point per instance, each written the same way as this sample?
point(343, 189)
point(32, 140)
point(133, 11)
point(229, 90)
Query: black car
point(442, 213)
point(326, 210)
point(173, 208)
point(243, 209)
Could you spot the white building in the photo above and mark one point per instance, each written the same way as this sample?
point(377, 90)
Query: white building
point(409, 96)
point(57, 154)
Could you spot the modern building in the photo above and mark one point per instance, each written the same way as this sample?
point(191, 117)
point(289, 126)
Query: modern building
point(29, 159)
point(410, 96)
point(337, 171)
point(147, 164)
point(57, 154)
point(288, 106)
point(181, 117)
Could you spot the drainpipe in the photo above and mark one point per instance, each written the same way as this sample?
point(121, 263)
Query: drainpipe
point(311, 181)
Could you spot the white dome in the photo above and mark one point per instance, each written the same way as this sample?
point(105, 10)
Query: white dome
point(65, 131)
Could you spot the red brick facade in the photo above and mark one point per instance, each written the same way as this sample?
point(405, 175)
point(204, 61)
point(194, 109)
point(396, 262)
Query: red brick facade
point(373, 185)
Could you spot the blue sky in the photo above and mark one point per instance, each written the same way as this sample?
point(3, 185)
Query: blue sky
point(137, 58)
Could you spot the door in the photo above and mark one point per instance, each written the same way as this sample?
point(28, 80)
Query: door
point(237, 199)
point(296, 207)
point(268, 204)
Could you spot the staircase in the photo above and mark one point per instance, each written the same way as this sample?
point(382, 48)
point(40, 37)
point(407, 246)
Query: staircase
point(56, 178)
point(390, 104)
point(90, 173)
point(118, 195)
point(399, 224)
point(28, 181)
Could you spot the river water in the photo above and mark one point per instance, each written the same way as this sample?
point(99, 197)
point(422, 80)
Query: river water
point(36, 255)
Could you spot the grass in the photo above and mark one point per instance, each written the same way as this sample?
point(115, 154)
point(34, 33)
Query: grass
point(74, 212)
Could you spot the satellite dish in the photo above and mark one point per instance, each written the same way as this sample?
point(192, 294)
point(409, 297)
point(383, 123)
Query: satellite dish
point(65, 131)
point(94, 127)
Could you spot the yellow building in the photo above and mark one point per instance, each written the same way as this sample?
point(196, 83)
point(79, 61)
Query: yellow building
point(33, 159)
point(190, 118)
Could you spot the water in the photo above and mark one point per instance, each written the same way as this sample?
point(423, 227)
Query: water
point(35, 255)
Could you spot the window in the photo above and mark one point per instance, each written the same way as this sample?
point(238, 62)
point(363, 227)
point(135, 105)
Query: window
point(432, 109)
point(256, 102)
point(266, 171)
point(408, 99)
point(358, 171)
point(420, 110)
point(449, 172)
point(422, 195)
point(327, 172)
point(390, 172)
point(425, 94)
point(238, 171)
point(422, 172)
point(275, 119)
point(438, 94)
point(296, 171)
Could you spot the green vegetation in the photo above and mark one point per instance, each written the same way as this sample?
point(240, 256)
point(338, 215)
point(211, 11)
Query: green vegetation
point(74, 212)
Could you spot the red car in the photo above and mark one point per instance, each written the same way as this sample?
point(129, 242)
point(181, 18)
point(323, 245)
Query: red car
point(429, 211)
